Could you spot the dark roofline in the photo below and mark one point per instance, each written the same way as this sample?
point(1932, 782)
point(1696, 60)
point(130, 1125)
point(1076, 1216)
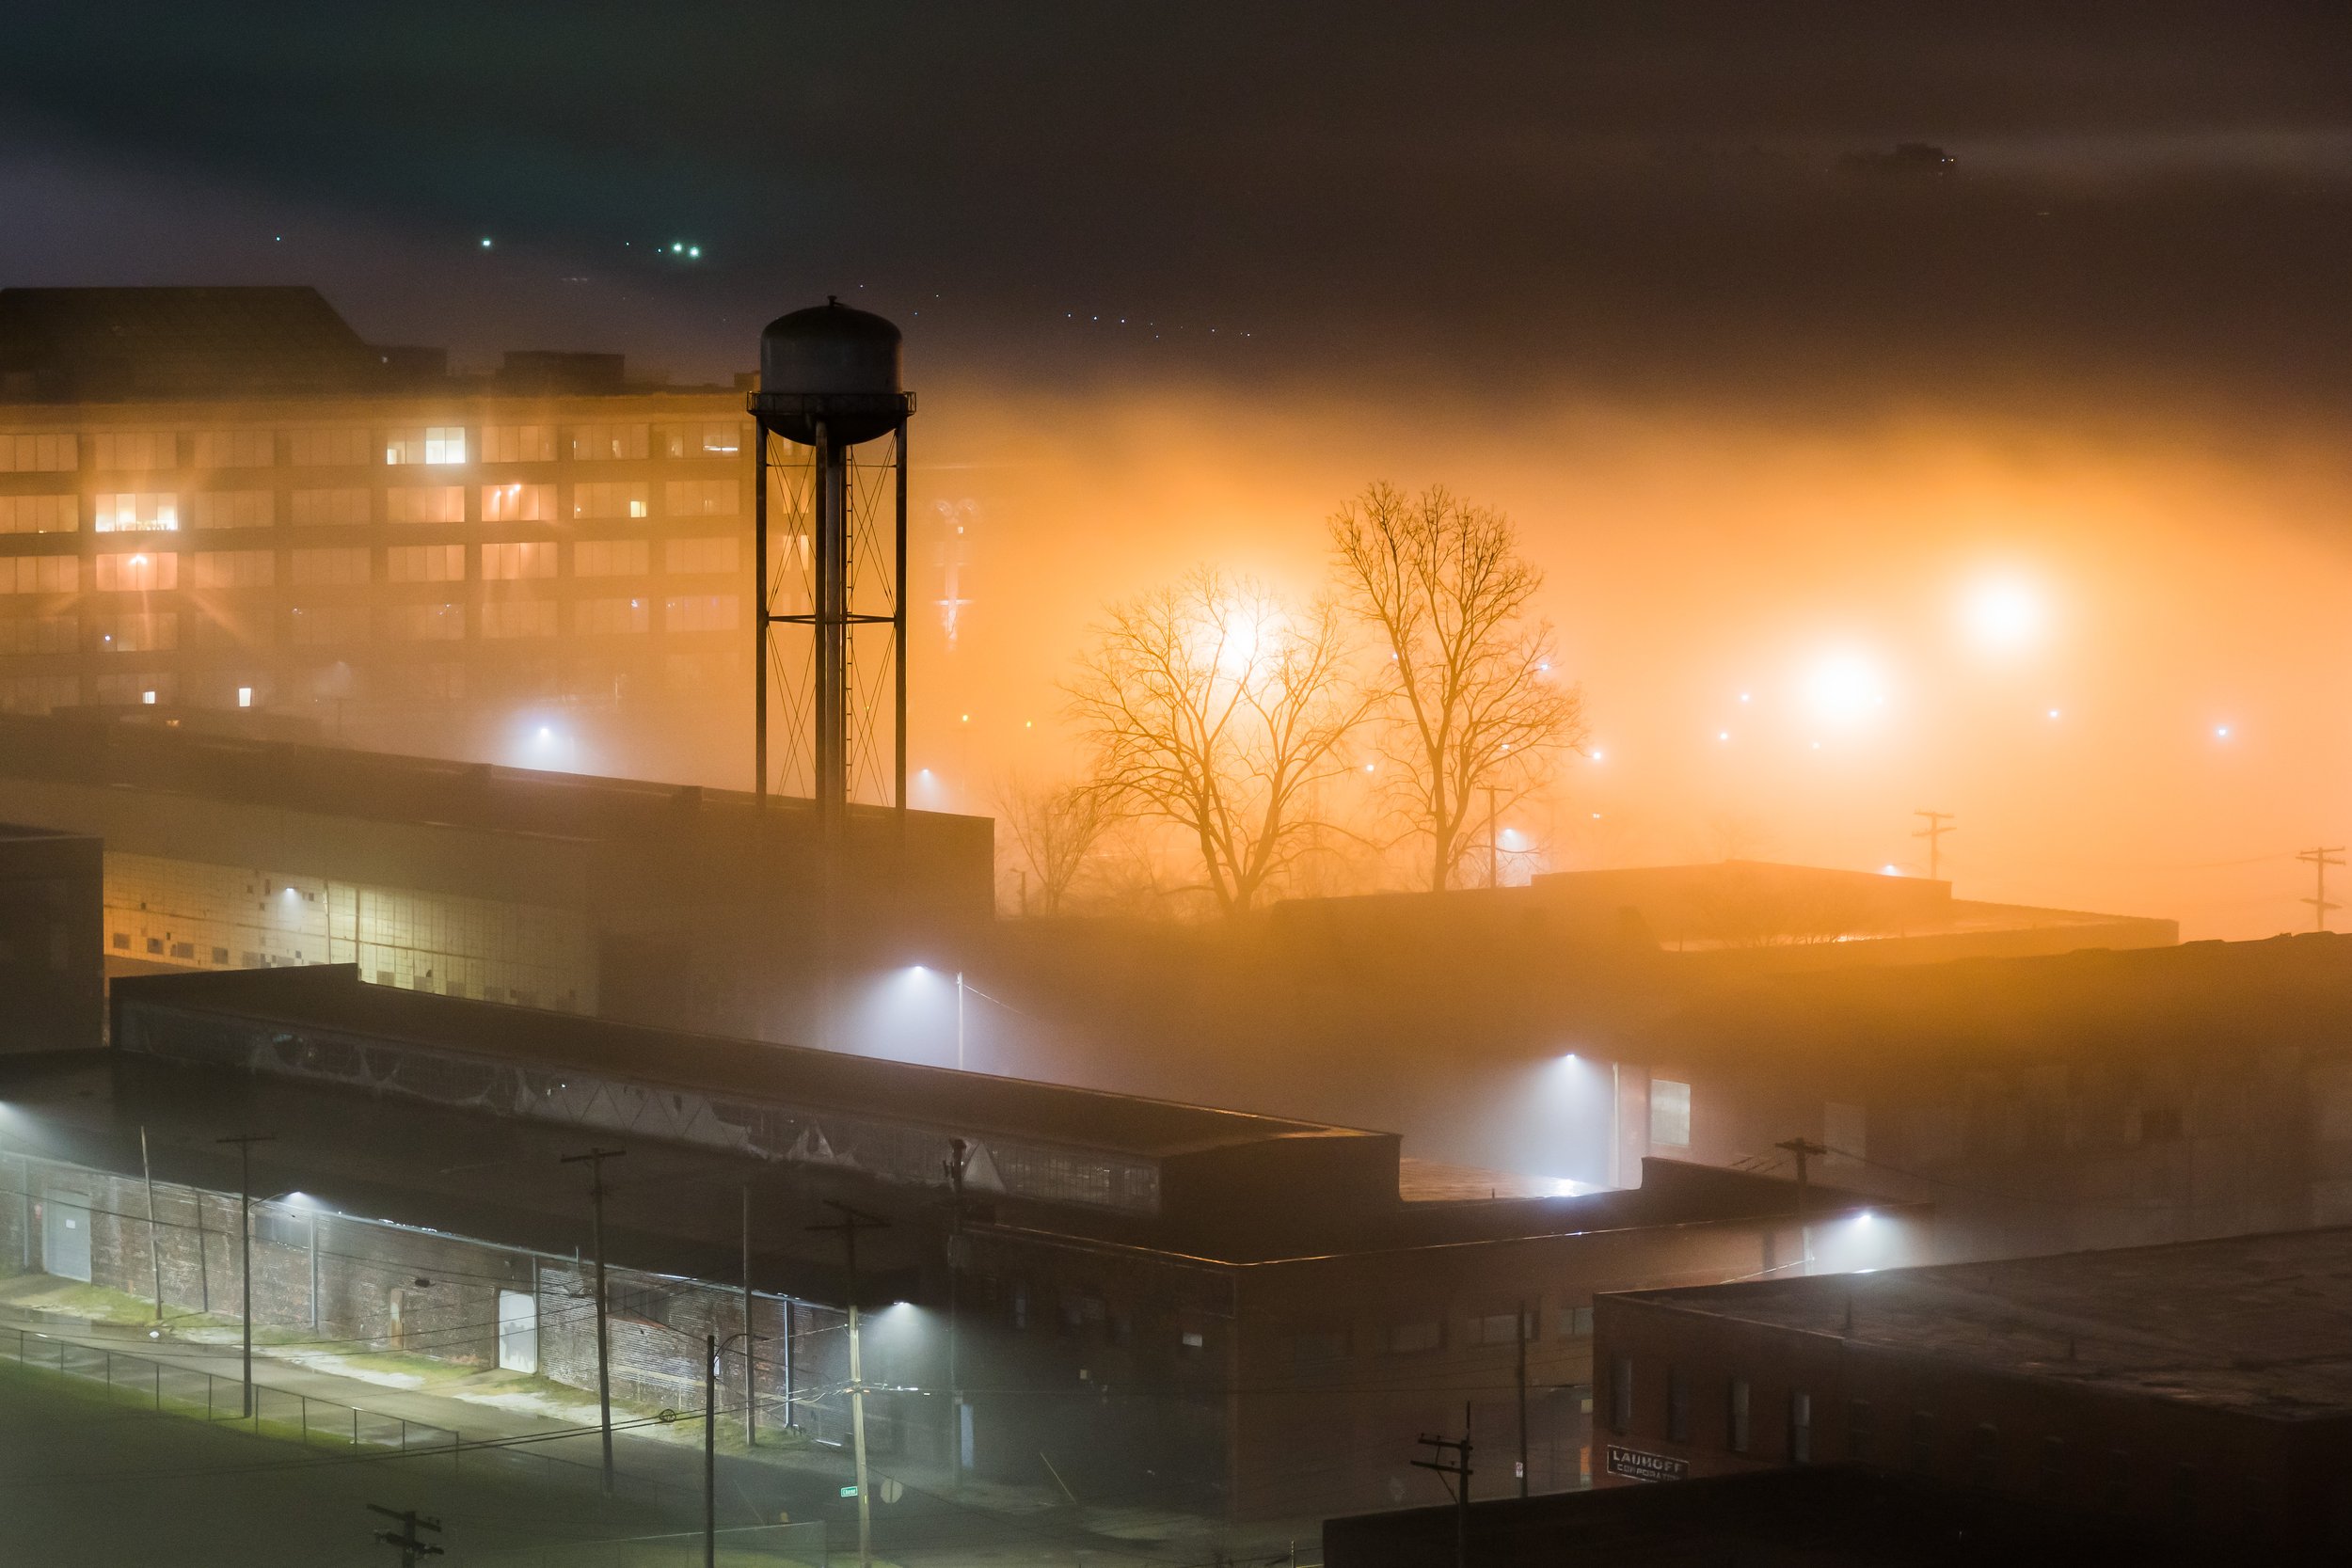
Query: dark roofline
point(332, 781)
point(331, 998)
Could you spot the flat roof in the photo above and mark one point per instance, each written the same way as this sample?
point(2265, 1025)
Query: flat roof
point(2252, 1324)
point(334, 780)
point(1977, 1011)
point(331, 999)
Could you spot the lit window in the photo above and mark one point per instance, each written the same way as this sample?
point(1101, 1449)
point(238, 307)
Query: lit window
point(700, 498)
point(343, 507)
point(609, 500)
point(148, 697)
point(508, 562)
point(434, 444)
point(144, 572)
point(330, 566)
point(230, 508)
point(593, 443)
point(130, 450)
point(1669, 1113)
point(701, 613)
point(40, 574)
point(518, 503)
point(702, 440)
point(245, 698)
point(425, 563)
point(137, 512)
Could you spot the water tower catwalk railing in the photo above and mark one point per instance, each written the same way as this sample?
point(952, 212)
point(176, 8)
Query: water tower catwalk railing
point(830, 520)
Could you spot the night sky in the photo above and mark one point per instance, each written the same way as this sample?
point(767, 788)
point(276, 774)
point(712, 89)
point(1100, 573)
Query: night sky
point(1481, 193)
point(1177, 281)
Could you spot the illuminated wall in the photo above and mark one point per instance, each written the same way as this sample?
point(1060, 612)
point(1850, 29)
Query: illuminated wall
point(195, 916)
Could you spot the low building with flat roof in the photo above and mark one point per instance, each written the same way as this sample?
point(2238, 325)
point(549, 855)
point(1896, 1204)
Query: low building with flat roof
point(1170, 1301)
point(2206, 1383)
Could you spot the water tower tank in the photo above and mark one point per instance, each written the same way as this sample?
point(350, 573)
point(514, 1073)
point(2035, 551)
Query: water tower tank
point(833, 364)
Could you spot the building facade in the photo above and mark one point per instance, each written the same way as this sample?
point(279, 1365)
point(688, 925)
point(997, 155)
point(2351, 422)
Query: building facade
point(547, 565)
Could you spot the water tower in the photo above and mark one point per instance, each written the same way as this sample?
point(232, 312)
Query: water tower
point(829, 515)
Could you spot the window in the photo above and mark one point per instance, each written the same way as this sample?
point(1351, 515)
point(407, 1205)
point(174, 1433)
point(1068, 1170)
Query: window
point(1678, 1404)
point(1407, 1337)
point(230, 508)
point(1020, 1305)
point(235, 449)
point(698, 555)
point(593, 443)
point(1736, 1435)
point(314, 626)
point(1922, 1441)
point(1801, 1429)
point(329, 507)
point(700, 498)
point(39, 514)
point(245, 698)
point(132, 449)
point(138, 632)
point(39, 693)
point(610, 558)
point(599, 617)
point(1576, 1322)
point(28, 454)
point(1193, 1339)
point(40, 574)
point(702, 440)
point(1621, 1393)
point(519, 618)
point(425, 563)
point(330, 566)
point(1858, 1430)
point(713, 613)
point(507, 562)
point(234, 568)
point(137, 512)
point(1316, 1349)
point(38, 634)
point(425, 622)
point(426, 503)
point(317, 449)
point(519, 443)
point(143, 572)
point(518, 503)
point(1502, 1328)
point(615, 499)
point(440, 443)
point(1669, 1113)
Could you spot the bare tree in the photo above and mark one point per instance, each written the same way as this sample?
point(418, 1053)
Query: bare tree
point(1473, 710)
point(1055, 829)
point(1215, 707)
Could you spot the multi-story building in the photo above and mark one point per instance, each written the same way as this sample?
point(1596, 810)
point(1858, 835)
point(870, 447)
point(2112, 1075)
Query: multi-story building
point(222, 499)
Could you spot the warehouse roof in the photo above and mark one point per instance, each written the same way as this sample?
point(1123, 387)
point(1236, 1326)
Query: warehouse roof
point(2249, 1323)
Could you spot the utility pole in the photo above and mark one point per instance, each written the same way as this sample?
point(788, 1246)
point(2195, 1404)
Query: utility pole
point(1522, 1380)
point(406, 1538)
point(958, 1021)
point(710, 1448)
point(1802, 1149)
point(959, 1158)
point(851, 1223)
point(1939, 823)
point(154, 1252)
point(751, 1361)
point(245, 1142)
point(2319, 860)
point(595, 1159)
point(1455, 1473)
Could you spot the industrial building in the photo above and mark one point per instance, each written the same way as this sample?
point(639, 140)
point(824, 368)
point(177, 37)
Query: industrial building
point(1156, 1300)
point(222, 501)
point(2205, 1385)
point(2081, 1099)
point(688, 906)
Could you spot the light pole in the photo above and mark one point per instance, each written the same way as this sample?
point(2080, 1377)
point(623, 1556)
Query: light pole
point(958, 1021)
point(713, 1347)
point(245, 1142)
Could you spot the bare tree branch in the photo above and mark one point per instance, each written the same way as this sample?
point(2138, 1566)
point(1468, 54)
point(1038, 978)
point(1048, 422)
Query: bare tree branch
point(1213, 705)
point(1055, 830)
point(1470, 702)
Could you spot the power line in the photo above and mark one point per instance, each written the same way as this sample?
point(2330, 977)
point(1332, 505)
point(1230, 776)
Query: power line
point(2319, 858)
